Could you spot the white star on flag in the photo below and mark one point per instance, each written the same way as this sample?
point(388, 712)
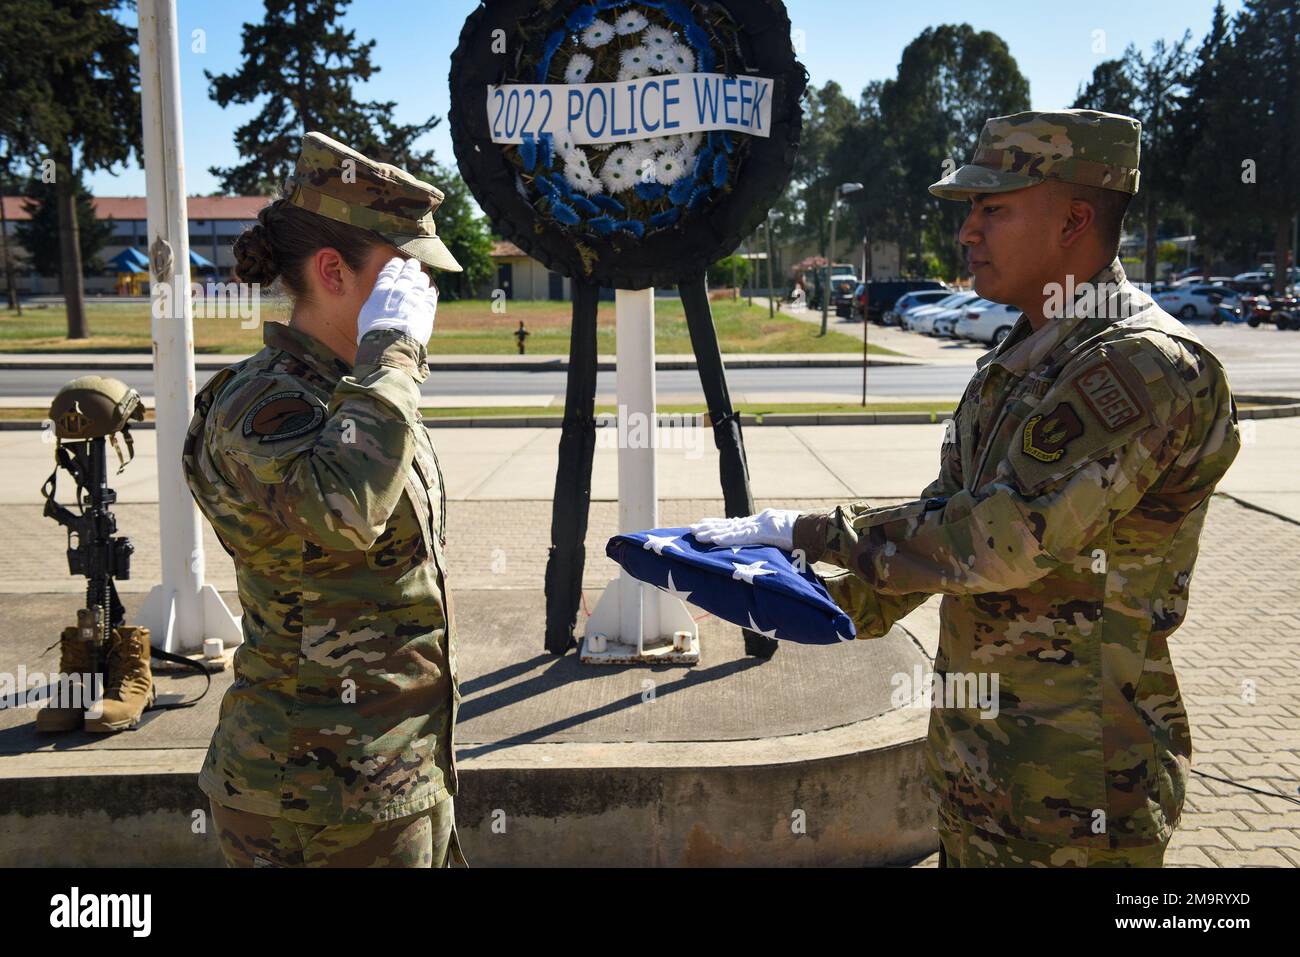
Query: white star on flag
point(660, 542)
point(754, 627)
point(746, 573)
point(671, 589)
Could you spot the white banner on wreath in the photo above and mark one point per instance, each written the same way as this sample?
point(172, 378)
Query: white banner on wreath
point(628, 110)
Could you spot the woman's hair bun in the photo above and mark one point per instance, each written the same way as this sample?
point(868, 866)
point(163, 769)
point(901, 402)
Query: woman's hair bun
point(255, 257)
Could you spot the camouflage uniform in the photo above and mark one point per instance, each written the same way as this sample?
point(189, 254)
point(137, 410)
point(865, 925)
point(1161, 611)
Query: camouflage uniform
point(322, 482)
point(1062, 531)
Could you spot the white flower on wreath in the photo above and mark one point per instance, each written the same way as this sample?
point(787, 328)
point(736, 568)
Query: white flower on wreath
point(579, 68)
point(660, 61)
point(581, 178)
point(633, 63)
point(657, 38)
point(598, 34)
point(681, 59)
point(673, 165)
point(630, 22)
point(619, 172)
point(563, 142)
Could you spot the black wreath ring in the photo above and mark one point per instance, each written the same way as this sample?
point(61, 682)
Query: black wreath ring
point(694, 201)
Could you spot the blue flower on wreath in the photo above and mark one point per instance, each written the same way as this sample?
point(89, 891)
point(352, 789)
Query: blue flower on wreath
point(609, 203)
point(565, 214)
point(552, 44)
point(580, 18)
point(666, 218)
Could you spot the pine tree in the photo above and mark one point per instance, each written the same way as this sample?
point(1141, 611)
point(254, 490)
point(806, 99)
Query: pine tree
point(39, 236)
point(304, 64)
point(72, 105)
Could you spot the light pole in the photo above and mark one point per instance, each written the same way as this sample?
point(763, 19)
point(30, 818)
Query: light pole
point(771, 300)
point(842, 190)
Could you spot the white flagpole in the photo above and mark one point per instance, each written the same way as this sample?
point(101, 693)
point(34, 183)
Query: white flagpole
point(181, 611)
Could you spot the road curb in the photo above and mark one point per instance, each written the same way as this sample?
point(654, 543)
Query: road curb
point(450, 364)
point(1278, 407)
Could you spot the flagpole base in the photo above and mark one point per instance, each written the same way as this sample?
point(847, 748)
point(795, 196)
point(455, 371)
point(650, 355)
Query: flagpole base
point(654, 628)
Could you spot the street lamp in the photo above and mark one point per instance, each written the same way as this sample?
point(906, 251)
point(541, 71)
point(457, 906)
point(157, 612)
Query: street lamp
point(842, 190)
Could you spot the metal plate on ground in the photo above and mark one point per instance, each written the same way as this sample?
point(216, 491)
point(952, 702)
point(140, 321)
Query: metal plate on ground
point(617, 653)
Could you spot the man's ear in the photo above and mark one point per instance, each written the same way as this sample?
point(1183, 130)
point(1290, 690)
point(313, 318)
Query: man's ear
point(332, 274)
point(1079, 216)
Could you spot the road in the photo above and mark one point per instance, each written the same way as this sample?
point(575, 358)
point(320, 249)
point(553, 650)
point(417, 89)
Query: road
point(1260, 360)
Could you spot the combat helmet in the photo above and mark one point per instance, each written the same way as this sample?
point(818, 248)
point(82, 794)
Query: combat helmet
point(96, 407)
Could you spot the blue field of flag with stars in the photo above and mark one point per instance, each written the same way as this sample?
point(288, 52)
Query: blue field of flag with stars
point(759, 587)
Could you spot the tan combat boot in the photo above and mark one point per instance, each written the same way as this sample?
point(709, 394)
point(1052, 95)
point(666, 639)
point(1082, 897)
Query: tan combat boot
point(76, 657)
point(128, 685)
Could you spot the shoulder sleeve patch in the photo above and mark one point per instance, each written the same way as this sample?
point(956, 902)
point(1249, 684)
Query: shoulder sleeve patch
point(1103, 390)
point(284, 414)
point(1047, 435)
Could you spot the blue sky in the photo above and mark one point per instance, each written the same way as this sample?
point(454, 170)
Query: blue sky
point(850, 41)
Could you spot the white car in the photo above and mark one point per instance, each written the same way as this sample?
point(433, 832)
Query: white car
point(1197, 301)
point(913, 318)
point(931, 324)
point(987, 322)
point(913, 300)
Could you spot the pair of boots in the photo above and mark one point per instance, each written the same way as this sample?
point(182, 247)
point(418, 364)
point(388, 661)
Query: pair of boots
point(128, 682)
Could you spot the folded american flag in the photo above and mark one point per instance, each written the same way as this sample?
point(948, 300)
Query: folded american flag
point(754, 586)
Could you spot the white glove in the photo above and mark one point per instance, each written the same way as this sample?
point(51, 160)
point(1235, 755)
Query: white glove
point(402, 299)
point(772, 526)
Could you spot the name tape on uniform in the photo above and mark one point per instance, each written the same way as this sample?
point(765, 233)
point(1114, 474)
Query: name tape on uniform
point(632, 109)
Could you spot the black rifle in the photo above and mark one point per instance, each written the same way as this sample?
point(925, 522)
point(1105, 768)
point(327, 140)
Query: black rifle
point(94, 548)
point(98, 553)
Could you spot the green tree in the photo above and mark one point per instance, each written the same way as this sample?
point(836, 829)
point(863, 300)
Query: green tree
point(1110, 89)
point(72, 105)
point(39, 236)
point(865, 154)
point(950, 80)
point(1152, 88)
point(1267, 50)
point(733, 270)
point(1238, 134)
point(304, 65)
point(464, 230)
point(1209, 171)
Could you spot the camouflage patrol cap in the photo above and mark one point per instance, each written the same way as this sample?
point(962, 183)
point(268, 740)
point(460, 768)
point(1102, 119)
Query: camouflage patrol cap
point(337, 182)
point(1024, 149)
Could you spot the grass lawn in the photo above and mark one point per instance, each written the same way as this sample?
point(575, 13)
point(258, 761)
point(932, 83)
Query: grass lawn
point(463, 328)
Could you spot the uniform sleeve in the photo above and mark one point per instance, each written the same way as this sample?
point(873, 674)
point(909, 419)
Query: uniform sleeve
point(330, 474)
point(1084, 455)
point(873, 612)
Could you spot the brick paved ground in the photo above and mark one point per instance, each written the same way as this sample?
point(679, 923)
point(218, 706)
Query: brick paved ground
point(1238, 655)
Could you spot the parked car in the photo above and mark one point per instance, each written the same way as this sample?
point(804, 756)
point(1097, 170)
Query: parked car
point(926, 323)
point(911, 319)
point(1195, 301)
point(944, 323)
point(844, 289)
point(1286, 311)
point(987, 322)
point(911, 300)
point(880, 295)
